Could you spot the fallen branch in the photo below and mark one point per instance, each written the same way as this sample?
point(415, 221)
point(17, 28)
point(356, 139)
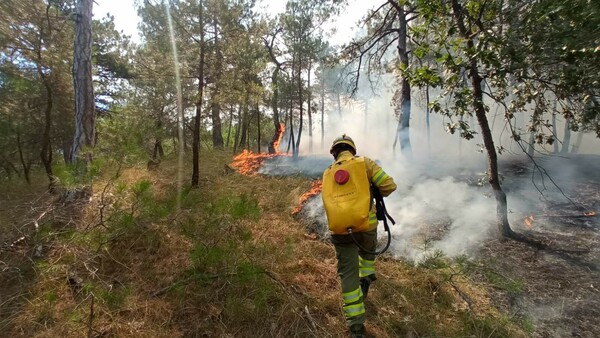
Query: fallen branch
point(310, 318)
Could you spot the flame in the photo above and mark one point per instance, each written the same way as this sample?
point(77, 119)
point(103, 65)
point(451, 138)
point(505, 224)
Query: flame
point(590, 213)
point(278, 141)
point(248, 163)
point(314, 190)
point(529, 221)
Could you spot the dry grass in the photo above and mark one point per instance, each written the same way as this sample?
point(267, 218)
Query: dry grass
point(232, 262)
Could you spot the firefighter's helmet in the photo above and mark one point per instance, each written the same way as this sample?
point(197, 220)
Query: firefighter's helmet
point(344, 139)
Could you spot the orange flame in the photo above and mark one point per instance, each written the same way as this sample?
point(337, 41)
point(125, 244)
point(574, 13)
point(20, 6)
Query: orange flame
point(278, 141)
point(248, 163)
point(529, 221)
point(314, 190)
point(590, 213)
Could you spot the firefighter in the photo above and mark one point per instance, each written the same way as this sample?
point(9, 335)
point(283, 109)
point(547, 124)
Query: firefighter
point(348, 203)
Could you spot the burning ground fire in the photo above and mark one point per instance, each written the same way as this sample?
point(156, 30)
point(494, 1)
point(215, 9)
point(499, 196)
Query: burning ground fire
point(248, 163)
point(529, 219)
point(314, 190)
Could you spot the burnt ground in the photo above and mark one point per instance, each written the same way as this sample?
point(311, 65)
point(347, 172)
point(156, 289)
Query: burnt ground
point(554, 292)
point(560, 286)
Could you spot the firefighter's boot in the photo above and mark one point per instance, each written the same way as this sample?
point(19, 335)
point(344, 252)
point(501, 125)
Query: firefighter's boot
point(358, 331)
point(365, 282)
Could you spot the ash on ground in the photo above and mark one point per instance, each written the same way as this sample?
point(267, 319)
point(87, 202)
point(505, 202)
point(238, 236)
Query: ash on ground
point(310, 166)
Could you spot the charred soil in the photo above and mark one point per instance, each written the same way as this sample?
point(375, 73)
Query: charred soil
point(559, 287)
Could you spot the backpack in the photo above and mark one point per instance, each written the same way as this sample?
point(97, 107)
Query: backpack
point(347, 196)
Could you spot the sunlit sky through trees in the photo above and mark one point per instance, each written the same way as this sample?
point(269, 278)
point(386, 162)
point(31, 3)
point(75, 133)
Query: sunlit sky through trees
point(126, 18)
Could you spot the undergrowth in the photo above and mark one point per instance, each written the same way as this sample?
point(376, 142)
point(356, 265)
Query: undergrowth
point(230, 261)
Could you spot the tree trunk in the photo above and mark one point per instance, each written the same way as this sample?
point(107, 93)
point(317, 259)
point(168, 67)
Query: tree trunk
point(230, 125)
point(275, 97)
point(238, 128)
point(26, 166)
point(244, 131)
point(322, 108)
point(403, 132)
point(301, 107)
point(275, 108)
point(427, 120)
point(476, 80)
point(567, 139)
point(309, 111)
point(85, 114)
point(46, 151)
point(198, 117)
point(577, 144)
point(258, 129)
point(217, 133)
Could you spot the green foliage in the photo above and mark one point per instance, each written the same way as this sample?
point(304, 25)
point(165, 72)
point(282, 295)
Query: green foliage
point(434, 260)
point(126, 138)
point(78, 175)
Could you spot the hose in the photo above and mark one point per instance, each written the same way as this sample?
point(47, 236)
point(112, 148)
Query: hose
point(382, 214)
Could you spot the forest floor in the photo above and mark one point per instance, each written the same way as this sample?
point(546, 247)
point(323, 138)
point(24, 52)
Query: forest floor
point(142, 259)
point(560, 290)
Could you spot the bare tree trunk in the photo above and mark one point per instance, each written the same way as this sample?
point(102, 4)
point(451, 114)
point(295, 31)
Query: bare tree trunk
point(26, 166)
point(301, 107)
point(85, 114)
point(322, 108)
point(231, 110)
point(198, 117)
point(46, 151)
point(275, 108)
point(554, 131)
point(577, 144)
point(427, 120)
point(476, 80)
point(245, 122)
point(567, 138)
point(291, 141)
point(258, 129)
point(217, 133)
point(309, 99)
point(238, 128)
point(404, 131)
point(275, 97)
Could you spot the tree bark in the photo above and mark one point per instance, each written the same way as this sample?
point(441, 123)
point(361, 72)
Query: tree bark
point(476, 80)
point(404, 129)
point(26, 166)
point(300, 106)
point(275, 97)
point(230, 126)
point(85, 114)
point(198, 117)
point(554, 131)
point(258, 129)
point(567, 137)
point(322, 106)
point(245, 122)
point(309, 112)
point(217, 132)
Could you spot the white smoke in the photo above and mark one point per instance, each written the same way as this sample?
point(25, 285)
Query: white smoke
point(439, 204)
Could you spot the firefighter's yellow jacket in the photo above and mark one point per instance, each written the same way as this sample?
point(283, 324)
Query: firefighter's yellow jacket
point(377, 177)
